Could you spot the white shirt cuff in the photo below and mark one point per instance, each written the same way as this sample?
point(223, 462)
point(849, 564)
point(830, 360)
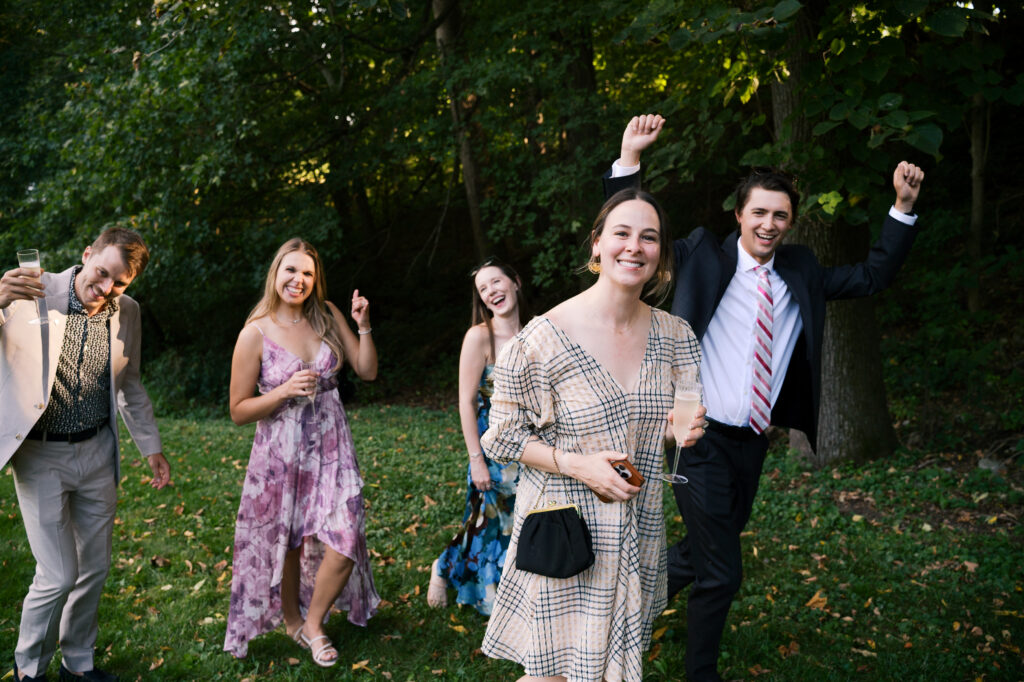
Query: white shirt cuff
point(622, 171)
point(893, 213)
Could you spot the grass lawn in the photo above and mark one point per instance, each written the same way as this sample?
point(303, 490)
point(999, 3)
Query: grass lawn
point(906, 569)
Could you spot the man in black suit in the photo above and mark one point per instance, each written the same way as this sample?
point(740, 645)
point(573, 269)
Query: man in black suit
point(758, 308)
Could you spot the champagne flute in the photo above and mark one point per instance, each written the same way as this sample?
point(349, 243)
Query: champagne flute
point(311, 366)
point(28, 259)
point(684, 409)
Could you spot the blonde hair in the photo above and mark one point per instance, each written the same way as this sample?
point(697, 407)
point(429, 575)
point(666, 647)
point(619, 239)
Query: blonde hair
point(314, 308)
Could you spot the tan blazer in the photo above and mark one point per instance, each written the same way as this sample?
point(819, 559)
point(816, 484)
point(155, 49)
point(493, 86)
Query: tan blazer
point(28, 366)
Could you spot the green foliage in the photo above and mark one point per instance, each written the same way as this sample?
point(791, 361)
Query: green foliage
point(905, 569)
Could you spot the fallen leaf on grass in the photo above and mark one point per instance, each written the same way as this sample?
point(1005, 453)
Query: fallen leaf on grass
point(159, 561)
point(428, 501)
point(156, 664)
point(659, 633)
point(758, 670)
point(787, 651)
point(818, 601)
point(461, 629)
point(293, 661)
point(864, 652)
point(361, 665)
point(655, 650)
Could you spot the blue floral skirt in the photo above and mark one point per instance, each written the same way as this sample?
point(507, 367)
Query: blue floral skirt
point(473, 560)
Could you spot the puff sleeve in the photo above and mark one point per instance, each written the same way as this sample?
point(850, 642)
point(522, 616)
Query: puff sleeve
point(522, 405)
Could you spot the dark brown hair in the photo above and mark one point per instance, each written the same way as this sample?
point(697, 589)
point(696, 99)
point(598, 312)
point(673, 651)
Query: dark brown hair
point(773, 180)
point(658, 286)
point(483, 314)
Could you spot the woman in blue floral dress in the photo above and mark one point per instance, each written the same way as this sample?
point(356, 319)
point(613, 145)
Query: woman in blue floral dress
point(472, 562)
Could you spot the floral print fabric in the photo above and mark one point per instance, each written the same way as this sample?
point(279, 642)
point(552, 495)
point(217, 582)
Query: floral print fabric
point(472, 562)
point(302, 489)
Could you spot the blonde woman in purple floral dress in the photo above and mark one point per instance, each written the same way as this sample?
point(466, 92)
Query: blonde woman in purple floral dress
point(300, 539)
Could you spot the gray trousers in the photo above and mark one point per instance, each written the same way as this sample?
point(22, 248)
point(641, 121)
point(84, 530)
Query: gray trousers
point(68, 498)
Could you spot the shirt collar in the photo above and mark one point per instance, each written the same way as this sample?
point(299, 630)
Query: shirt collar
point(745, 262)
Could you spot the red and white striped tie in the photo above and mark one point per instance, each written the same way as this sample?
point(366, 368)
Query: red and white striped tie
point(760, 395)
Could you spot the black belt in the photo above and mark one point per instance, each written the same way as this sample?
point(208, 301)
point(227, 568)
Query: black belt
point(735, 432)
point(52, 436)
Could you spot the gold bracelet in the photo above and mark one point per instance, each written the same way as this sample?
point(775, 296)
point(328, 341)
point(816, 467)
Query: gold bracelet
point(555, 460)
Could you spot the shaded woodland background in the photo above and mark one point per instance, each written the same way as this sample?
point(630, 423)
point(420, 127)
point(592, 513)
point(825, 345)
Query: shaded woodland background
point(409, 140)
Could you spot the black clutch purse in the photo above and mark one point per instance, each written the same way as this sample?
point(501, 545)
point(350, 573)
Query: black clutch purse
point(555, 542)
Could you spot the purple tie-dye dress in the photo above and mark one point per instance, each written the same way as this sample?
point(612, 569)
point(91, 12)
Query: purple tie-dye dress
point(302, 487)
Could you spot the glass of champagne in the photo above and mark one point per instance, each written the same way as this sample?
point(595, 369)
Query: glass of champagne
point(28, 259)
point(684, 409)
point(311, 366)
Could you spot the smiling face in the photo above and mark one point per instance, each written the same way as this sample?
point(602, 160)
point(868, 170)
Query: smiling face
point(104, 276)
point(764, 220)
point(497, 290)
point(296, 275)
point(629, 245)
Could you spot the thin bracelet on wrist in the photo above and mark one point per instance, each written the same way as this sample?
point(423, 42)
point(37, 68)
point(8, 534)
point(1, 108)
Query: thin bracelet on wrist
point(361, 332)
point(476, 455)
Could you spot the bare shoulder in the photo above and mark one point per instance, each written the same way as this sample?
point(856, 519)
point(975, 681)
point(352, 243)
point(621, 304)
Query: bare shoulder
point(477, 338)
point(251, 336)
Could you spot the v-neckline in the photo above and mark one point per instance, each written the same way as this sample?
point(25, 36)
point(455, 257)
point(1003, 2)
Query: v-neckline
point(295, 355)
point(638, 375)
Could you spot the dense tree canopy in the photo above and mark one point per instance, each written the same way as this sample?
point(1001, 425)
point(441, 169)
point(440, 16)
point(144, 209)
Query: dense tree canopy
point(404, 139)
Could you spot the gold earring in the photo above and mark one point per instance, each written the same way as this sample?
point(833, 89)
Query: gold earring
point(594, 267)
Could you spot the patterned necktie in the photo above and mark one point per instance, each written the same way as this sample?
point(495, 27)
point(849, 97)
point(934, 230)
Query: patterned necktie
point(760, 395)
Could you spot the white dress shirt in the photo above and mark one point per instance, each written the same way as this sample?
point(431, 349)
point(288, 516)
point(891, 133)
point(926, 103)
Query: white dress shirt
point(728, 343)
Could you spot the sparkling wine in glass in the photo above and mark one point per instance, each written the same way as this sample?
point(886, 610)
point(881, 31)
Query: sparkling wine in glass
point(311, 366)
point(684, 409)
point(28, 259)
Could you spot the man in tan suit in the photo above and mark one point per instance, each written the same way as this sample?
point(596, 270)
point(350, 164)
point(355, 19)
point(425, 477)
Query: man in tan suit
point(61, 386)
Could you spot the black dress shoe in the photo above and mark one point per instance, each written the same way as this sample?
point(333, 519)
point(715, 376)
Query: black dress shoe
point(94, 675)
point(28, 678)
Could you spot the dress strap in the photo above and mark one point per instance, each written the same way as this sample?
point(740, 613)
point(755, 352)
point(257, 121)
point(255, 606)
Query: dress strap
point(260, 330)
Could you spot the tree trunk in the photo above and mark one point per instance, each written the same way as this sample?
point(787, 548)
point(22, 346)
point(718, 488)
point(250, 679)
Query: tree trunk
point(446, 36)
point(853, 419)
point(979, 112)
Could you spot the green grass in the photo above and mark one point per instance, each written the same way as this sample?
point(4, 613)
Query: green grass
point(905, 569)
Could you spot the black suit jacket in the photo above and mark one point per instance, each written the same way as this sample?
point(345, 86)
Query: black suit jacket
point(704, 267)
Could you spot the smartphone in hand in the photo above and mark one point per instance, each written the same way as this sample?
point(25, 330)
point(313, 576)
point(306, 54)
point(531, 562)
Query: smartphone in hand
point(627, 471)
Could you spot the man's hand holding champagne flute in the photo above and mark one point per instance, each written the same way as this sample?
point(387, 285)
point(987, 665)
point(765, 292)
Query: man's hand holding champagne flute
point(23, 282)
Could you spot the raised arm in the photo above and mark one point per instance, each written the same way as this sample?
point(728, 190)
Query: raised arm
point(906, 180)
point(359, 350)
point(889, 251)
point(640, 133)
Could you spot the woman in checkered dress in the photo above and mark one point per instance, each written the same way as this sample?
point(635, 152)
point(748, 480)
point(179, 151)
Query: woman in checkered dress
point(590, 382)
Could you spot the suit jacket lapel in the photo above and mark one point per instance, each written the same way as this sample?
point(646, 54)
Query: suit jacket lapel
point(52, 336)
point(729, 258)
point(797, 288)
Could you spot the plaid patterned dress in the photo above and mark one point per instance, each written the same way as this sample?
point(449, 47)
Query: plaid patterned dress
point(596, 625)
